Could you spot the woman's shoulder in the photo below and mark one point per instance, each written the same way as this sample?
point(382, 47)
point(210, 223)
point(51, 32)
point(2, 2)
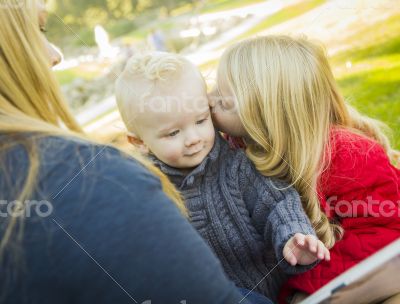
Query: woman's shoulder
point(92, 160)
point(70, 146)
point(49, 146)
point(77, 150)
point(62, 159)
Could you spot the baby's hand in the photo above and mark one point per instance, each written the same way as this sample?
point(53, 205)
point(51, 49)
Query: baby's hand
point(304, 250)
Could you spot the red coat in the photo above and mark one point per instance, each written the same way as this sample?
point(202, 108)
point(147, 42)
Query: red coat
point(363, 190)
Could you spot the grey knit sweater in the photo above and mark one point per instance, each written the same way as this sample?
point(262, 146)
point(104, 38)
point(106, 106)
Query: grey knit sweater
point(244, 216)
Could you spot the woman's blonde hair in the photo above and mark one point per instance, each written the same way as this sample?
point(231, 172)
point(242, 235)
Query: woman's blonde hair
point(287, 100)
point(30, 98)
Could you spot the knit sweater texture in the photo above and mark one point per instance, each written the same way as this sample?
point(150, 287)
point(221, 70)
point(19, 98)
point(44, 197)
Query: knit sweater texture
point(245, 217)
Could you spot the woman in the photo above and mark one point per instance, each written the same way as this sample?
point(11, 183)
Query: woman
point(82, 223)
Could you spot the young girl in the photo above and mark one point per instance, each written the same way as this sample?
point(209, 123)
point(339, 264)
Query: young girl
point(279, 94)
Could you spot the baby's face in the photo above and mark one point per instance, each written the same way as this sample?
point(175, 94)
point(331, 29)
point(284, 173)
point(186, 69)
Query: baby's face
point(176, 125)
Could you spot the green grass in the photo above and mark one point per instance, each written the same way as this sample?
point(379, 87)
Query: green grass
point(67, 76)
point(376, 93)
point(378, 40)
point(283, 15)
point(222, 5)
point(372, 84)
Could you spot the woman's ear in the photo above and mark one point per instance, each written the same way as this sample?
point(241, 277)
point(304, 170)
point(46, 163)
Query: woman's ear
point(138, 143)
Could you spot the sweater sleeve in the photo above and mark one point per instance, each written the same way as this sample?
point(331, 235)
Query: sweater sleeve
point(276, 211)
point(114, 237)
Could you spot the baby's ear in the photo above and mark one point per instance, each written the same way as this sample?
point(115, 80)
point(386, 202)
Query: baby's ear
point(137, 142)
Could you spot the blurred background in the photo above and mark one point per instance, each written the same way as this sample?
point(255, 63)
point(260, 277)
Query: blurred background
point(97, 36)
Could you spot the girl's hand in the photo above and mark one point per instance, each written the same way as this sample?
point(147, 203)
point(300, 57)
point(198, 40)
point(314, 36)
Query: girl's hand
point(304, 250)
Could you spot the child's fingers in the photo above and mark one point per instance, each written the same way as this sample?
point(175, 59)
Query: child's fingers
point(289, 255)
point(327, 254)
point(299, 239)
point(321, 250)
point(312, 243)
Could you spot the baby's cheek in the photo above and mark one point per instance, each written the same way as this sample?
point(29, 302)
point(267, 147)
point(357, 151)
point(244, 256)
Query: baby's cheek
point(171, 155)
point(211, 133)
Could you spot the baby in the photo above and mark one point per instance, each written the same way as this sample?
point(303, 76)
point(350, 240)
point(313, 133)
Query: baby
point(255, 225)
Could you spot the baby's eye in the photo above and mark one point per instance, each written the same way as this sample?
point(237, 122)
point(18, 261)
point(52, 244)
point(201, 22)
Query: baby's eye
point(199, 122)
point(43, 29)
point(174, 133)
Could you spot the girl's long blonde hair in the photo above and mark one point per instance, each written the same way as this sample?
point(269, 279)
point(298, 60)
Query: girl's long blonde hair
point(287, 100)
point(31, 101)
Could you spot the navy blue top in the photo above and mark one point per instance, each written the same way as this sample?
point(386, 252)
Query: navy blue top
point(104, 233)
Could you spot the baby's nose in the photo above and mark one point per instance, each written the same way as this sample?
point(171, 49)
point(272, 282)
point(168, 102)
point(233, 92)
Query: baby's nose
point(192, 139)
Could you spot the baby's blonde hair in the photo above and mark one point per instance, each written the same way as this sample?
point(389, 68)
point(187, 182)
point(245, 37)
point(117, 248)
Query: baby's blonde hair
point(140, 77)
point(287, 101)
